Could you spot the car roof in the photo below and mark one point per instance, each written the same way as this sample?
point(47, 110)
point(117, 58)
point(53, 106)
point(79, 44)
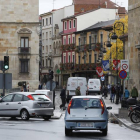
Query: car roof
point(88, 96)
point(24, 93)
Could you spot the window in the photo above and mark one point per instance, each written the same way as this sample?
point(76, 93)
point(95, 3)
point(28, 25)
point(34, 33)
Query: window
point(50, 47)
point(89, 58)
point(64, 43)
point(73, 57)
point(50, 33)
point(43, 22)
point(101, 36)
point(43, 36)
point(95, 38)
point(89, 42)
point(65, 25)
point(84, 40)
point(46, 35)
point(46, 49)
point(24, 42)
point(69, 58)
point(24, 65)
point(17, 98)
point(84, 59)
point(50, 20)
point(25, 98)
point(43, 63)
point(73, 40)
point(43, 47)
point(79, 41)
point(69, 41)
point(70, 24)
point(74, 23)
point(95, 58)
point(64, 58)
point(79, 59)
point(46, 21)
point(46, 63)
point(8, 98)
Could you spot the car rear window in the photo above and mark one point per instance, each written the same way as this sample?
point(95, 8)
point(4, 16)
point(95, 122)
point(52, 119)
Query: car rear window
point(86, 102)
point(96, 82)
point(40, 97)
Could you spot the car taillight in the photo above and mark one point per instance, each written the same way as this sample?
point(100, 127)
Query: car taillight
point(69, 106)
point(102, 105)
point(30, 97)
point(47, 96)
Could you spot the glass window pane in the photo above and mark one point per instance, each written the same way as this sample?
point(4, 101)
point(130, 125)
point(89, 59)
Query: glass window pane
point(7, 98)
point(17, 98)
point(22, 42)
point(26, 42)
point(25, 98)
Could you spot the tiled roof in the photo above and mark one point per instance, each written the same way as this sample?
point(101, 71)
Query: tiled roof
point(109, 3)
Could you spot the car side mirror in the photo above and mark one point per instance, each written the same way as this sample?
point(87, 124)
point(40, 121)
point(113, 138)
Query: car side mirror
point(109, 108)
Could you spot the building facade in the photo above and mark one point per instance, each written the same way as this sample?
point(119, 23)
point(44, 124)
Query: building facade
point(20, 41)
point(133, 49)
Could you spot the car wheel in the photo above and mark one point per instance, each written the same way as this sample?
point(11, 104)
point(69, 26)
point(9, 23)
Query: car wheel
point(68, 132)
point(24, 115)
point(46, 117)
point(104, 131)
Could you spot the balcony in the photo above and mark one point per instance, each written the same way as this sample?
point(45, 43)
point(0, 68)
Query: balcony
point(68, 47)
point(67, 66)
point(85, 67)
point(24, 50)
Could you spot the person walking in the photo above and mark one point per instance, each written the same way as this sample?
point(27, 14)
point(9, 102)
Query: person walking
point(44, 86)
point(113, 92)
point(105, 91)
point(121, 93)
point(134, 92)
point(63, 97)
point(27, 87)
point(126, 93)
point(109, 90)
point(24, 87)
point(77, 92)
point(40, 86)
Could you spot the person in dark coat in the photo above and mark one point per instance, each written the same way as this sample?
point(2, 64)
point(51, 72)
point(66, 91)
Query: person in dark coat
point(63, 97)
point(113, 92)
point(105, 91)
point(121, 93)
point(40, 86)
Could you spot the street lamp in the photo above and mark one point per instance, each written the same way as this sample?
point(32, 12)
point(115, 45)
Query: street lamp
point(118, 26)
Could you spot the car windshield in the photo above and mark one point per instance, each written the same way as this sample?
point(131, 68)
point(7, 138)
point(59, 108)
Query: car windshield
point(86, 103)
point(39, 97)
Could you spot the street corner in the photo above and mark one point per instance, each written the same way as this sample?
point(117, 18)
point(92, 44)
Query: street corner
point(57, 115)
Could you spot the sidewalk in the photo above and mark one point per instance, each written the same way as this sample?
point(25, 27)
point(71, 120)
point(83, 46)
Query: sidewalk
point(121, 116)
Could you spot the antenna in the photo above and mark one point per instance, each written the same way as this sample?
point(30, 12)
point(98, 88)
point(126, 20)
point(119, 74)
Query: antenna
point(53, 4)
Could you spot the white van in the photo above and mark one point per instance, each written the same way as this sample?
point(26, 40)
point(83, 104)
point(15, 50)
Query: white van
point(46, 92)
point(94, 86)
point(73, 83)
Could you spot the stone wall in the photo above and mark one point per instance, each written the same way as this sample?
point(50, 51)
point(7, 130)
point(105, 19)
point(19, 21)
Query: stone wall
point(19, 10)
point(133, 40)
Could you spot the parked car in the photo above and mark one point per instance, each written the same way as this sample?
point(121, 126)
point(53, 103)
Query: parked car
point(86, 113)
point(26, 105)
point(94, 86)
point(73, 83)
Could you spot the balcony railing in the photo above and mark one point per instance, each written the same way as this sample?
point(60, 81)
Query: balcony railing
point(68, 47)
point(24, 50)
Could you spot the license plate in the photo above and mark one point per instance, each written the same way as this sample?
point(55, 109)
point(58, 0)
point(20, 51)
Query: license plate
point(85, 124)
point(44, 105)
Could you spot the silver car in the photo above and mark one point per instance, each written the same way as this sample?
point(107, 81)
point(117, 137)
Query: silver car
point(26, 105)
point(86, 113)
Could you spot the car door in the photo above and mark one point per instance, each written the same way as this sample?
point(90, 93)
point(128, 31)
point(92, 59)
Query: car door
point(16, 104)
point(5, 105)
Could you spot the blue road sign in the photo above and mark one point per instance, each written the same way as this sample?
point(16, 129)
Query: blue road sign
point(123, 74)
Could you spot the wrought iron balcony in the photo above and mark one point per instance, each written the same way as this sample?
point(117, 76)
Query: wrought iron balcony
point(24, 50)
point(68, 47)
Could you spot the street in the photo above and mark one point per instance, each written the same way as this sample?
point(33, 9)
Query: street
point(37, 128)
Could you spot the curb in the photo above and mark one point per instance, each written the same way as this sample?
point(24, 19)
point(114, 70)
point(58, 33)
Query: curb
point(132, 128)
point(56, 117)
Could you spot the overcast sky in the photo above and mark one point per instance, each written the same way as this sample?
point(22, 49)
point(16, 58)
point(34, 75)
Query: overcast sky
point(47, 5)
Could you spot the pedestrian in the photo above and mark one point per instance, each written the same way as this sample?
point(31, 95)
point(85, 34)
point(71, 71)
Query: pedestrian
point(44, 86)
point(113, 92)
point(40, 86)
point(27, 87)
point(105, 91)
point(63, 97)
point(126, 93)
point(134, 92)
point(121, 93)
point(109, 90)
point(24, 87)
point(77, 92)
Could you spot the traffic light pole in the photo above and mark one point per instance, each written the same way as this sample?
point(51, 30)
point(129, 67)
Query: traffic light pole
point(3, 82)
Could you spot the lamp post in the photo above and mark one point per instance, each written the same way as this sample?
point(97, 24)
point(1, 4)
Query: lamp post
point(118, 26)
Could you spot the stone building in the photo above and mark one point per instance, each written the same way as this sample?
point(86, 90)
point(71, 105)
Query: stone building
point(133, 49)
point(19, 40)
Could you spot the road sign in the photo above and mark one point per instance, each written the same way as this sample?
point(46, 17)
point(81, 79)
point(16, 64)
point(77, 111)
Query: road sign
point(125, 65)
point(58, 71)
point(123, 74)
point(99, 71)
point(102, 78)
point(8, 81)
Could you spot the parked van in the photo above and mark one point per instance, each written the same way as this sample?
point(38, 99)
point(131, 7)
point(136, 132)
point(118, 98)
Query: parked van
point(73, 83)
point(94, 86)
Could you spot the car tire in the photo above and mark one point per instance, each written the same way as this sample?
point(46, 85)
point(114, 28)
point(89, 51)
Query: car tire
point(46, 118)
point(104, 131)
point(68, 132)
point(24, 115)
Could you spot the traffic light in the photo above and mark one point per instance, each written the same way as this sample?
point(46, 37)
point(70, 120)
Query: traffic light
point(50, 74)
point(6, 62)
